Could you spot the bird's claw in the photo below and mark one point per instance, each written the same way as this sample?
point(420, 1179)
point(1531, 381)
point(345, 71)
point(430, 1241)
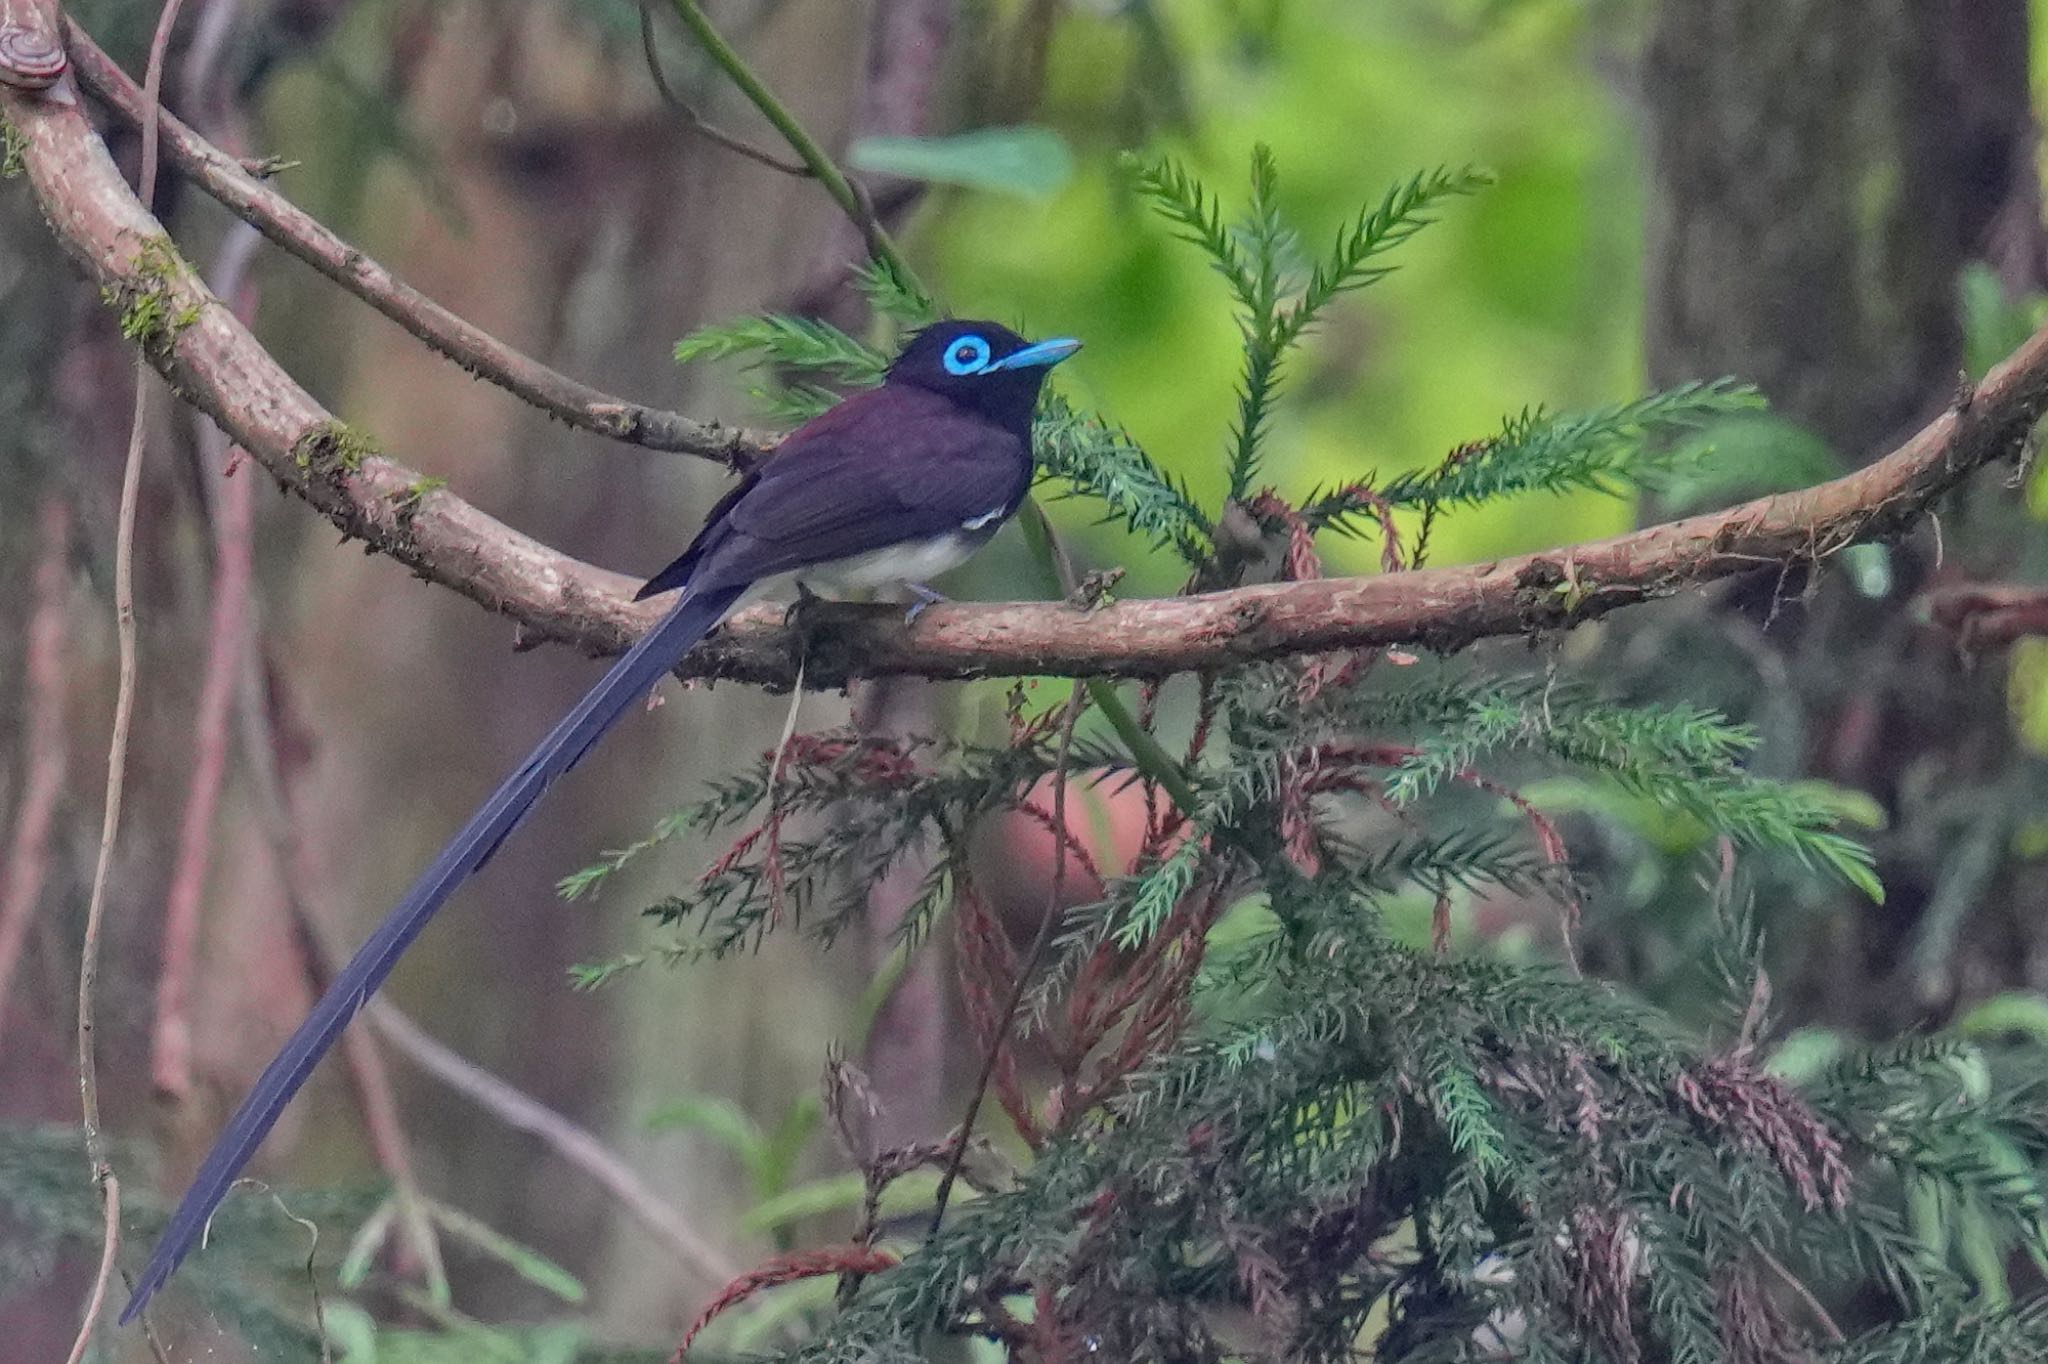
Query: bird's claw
point(925, 597)
point(792, 615)
point(804, 620)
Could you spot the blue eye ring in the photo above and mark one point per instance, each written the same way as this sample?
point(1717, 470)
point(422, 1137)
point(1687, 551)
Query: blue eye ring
point(967, 355)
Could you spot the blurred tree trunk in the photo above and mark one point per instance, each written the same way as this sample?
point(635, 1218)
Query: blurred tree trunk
point(1822, 171)
point(574, 215)
point(66, 384)
point(513, 162)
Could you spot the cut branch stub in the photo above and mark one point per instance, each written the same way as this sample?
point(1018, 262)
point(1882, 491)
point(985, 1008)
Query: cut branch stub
point(31, 52)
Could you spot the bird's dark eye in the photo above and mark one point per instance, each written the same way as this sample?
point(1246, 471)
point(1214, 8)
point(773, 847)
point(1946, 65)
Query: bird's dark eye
point(968, 355)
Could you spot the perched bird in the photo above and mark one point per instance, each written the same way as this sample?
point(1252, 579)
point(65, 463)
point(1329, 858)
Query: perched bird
point(894, 485)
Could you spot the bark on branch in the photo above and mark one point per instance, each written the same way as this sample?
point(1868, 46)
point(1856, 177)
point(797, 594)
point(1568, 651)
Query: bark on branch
point(214, 363)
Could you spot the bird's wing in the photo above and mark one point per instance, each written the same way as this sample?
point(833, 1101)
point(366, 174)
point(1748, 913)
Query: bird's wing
point(883, 468)
point(710, 533)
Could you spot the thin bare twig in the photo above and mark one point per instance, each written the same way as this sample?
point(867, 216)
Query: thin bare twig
point(1803, 1293)
point(906, 49)
point(573, 1143)
point(231, 511)
point(844, 192)
point(312, 1279)
point(110, 1245)
point(1077, 700)
point(117, 748)
point(700, 125)
point(494, 1095)
point(771, 856)
point(576, 404)
point(275, 797)
point(46, 744)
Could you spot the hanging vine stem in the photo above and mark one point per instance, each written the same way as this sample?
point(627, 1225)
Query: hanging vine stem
point(700, 125)
point(117, 747)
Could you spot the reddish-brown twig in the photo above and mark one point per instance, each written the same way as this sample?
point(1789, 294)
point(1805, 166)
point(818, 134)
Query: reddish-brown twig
point(783, 1269)
point(1039, 815)
point(1077, 701)
point(46, 744)
point(1301, 561)
point(1326, 767)
point(234, 519)
point(1985, 616)
point(989, 970)
point(1551, 844)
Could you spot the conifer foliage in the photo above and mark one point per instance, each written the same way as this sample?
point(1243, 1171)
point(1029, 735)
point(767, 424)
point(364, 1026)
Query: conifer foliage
point(1255, 1104)
point(1276, 1125)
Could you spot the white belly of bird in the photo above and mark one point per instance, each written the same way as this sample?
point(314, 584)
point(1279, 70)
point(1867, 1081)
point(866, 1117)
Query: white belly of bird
point(917, 562)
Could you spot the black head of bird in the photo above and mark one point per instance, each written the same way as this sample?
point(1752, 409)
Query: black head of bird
point(982, 366)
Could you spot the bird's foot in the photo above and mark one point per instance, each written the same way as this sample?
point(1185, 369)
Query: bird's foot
point(806, 600)
point(924, 596)
point(806, 619)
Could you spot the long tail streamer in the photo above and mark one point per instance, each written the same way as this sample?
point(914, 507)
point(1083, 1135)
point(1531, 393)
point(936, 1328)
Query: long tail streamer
point(632, 677)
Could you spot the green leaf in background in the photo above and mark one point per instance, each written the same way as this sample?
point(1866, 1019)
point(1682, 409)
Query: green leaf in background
point(2014, 1013)
point(770, 1158)
point(914, 1192)
point(359, 1340)
point(1807, 1053)
point(1027, 161)
point(351, 1332)
point(528, 1263)
point(1994, 325)
point(1743, 456)
point(720, 1119)
point(829, 1194)
point(775, 1167)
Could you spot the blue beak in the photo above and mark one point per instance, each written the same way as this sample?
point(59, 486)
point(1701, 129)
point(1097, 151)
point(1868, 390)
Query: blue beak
point(1044, 355)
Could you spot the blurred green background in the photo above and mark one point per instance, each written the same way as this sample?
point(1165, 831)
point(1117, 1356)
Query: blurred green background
point(510, 158)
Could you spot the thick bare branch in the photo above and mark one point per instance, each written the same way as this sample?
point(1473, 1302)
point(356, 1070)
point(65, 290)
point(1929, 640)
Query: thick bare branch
point(217, 365)
point(476, 350)
point(1985, 616)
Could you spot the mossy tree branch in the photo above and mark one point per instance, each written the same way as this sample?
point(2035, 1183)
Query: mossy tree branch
point(214, 363)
